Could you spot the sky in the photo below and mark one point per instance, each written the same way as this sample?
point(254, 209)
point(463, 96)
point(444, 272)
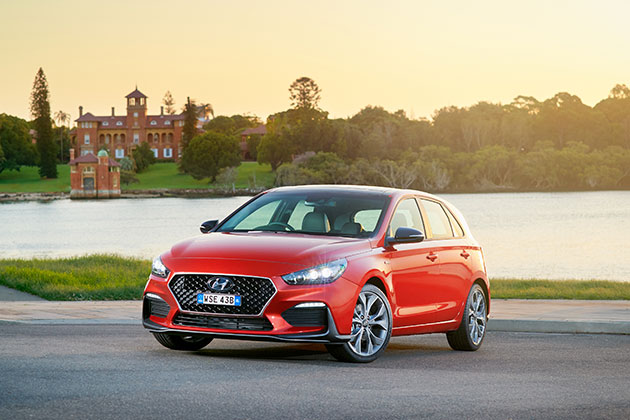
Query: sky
point(241, 56)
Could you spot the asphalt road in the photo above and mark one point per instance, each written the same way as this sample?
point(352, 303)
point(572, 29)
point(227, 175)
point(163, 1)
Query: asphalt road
point(61, 371)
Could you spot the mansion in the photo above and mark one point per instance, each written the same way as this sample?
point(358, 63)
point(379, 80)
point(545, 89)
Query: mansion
point(120, 134)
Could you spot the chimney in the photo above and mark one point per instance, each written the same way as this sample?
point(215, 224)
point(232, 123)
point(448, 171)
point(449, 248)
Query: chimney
point(113, 114)
point(80, 111)
point(71, 154)
point(162, 110)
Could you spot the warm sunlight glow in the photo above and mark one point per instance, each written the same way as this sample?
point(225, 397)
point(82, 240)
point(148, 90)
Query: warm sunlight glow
point(241, 56)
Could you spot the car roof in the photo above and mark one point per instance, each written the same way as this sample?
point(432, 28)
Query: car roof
point(393, 192)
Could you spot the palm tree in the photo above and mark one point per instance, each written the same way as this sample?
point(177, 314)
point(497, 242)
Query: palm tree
point(61, 117)
point(205, 110)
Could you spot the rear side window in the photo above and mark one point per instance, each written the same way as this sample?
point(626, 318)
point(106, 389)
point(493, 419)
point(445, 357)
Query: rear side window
point(457, 228)
point(438, 220)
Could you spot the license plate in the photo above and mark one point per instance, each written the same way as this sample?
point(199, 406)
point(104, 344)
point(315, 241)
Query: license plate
point(218, 299)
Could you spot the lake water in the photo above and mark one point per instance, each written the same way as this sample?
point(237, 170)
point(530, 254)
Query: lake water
point(580, 235)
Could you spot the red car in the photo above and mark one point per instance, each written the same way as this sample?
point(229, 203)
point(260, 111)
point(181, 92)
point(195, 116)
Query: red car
point(346, 266)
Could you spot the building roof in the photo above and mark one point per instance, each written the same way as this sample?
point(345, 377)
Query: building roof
point(87, 117)
point(136, 94)
point(261, 129)
point(90, 158)
point(87, 158)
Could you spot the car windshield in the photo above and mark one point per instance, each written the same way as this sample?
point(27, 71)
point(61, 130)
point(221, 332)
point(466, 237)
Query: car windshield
point(332, 213)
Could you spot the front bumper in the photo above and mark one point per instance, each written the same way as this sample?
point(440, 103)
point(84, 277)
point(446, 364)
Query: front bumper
point(330, 335)
point(162, 313)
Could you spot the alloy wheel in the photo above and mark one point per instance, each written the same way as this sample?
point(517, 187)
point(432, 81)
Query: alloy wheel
point(477, 316)
point(370, 324)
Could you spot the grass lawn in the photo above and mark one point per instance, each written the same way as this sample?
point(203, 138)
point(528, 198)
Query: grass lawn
point(27, 180)
point(94, 277)
point(108, 277)
point(165, 175)
point(559, 289)
point(159, 175)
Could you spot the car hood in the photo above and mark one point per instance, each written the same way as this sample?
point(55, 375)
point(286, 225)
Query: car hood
point(286, 248)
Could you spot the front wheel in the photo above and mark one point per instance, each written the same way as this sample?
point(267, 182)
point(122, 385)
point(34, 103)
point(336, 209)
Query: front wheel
point(472, 330)
point(182, 342)
point(371, 328)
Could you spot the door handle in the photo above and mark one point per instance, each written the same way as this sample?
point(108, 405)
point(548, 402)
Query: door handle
point(432, 257)
point(465, 254)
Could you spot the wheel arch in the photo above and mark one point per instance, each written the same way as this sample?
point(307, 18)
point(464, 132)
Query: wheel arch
point(481, 282)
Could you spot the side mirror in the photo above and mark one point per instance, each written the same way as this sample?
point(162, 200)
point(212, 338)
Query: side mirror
point(405, 235)
point(208, 226)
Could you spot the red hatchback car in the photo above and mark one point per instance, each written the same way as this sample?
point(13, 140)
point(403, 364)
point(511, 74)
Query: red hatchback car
point(346, 266)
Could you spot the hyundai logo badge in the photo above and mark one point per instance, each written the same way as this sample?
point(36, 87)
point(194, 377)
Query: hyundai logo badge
point(220, 284)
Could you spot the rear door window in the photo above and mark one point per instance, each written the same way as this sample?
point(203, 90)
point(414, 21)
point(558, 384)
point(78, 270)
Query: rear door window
point(438, 219)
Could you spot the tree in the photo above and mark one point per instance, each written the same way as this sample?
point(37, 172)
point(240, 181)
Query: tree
point(304, 93)
point(61, 118)
point(126, 164)
point(169, 103)
point(143, 157)
point(40, 109)
point(16, 144)
point(208, 153)
point(205, 110)
point(190, 123)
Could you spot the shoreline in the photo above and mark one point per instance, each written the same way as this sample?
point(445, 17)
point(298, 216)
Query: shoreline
point(131, 194)
point(8, 197)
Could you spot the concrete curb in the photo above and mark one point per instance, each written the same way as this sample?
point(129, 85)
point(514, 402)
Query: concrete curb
point(85, 321)
point(494, 325)
point(566, 327)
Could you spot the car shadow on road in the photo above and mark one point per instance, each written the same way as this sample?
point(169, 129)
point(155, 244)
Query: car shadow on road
point(317, 352)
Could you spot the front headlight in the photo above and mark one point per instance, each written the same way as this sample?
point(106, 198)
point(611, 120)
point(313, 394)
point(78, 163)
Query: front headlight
point(320, 274)
point(159, 269)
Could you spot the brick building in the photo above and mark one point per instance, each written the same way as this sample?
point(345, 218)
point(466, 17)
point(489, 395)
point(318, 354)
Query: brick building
point(120, 134)
point(261, 130)
point(94, 176)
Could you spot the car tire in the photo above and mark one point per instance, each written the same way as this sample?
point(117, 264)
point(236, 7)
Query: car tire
point(472, 329)
point(371, 328)
point(182, 342)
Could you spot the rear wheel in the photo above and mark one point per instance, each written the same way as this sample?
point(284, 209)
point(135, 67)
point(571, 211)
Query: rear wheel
point(182, 342)
point(472, 330)
point(371, 328)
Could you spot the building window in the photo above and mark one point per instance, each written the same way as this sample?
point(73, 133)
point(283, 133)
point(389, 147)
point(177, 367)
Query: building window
point(105, 123)
point(167, 122)
point(168, 153)
point(141, 101)
point(155, 153)
point(86, 138)
point(135, 115)
point(118, 123)
point(120, 153)
point(107, 139)
point(88, 170)
point(132, 101)
point(115, 183)
point(153, 122)
point(136, 138)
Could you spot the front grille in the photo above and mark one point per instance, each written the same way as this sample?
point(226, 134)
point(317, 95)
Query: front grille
point(222, 323)
point(255, 293)
point(306, 317)
point(155, 307)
